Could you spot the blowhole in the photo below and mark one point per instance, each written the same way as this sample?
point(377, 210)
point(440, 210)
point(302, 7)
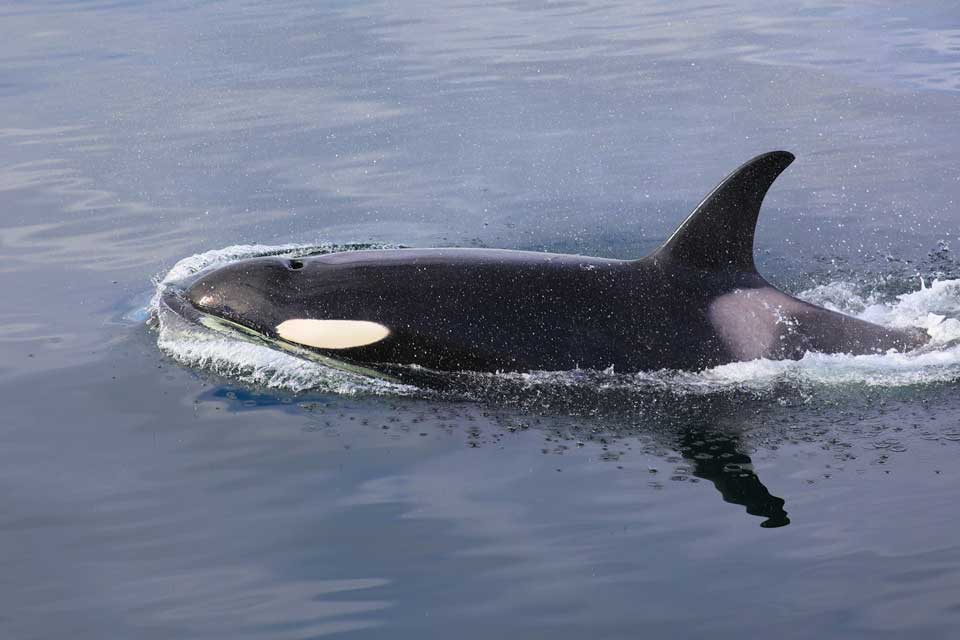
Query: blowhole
point(296, 264)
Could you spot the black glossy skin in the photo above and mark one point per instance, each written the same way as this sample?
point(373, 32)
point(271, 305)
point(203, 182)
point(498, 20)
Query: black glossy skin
point(493, 310)
point(696, 302)
point(483, 310)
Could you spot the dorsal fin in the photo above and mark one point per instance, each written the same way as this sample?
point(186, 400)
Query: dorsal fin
point(718, 235)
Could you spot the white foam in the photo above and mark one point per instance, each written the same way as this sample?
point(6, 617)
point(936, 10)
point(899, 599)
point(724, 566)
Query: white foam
point(934, 308)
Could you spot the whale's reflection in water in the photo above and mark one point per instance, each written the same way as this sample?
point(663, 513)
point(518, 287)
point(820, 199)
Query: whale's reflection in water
point(526, 501)
point(713, 433)
point(719, 458)
point(710, 436)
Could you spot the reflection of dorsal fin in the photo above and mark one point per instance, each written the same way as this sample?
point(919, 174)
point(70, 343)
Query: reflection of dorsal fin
point(718, 235)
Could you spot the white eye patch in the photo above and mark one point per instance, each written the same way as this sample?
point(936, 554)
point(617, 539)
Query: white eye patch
point(332, 334)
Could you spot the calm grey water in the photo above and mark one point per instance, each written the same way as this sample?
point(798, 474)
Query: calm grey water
point(143, 499)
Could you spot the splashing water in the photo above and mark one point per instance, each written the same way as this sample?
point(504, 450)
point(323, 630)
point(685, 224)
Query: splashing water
point(934, 308)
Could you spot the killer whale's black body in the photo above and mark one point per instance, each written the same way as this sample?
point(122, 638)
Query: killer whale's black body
point(696, 302)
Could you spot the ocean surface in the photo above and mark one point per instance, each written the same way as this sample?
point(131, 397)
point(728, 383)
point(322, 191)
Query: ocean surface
point(161, 481)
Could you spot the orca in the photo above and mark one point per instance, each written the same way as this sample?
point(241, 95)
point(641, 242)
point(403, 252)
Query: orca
point(695, 303)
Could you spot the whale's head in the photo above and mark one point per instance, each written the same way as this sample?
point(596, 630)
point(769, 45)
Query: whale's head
point(303, 301)
point(255, 293)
